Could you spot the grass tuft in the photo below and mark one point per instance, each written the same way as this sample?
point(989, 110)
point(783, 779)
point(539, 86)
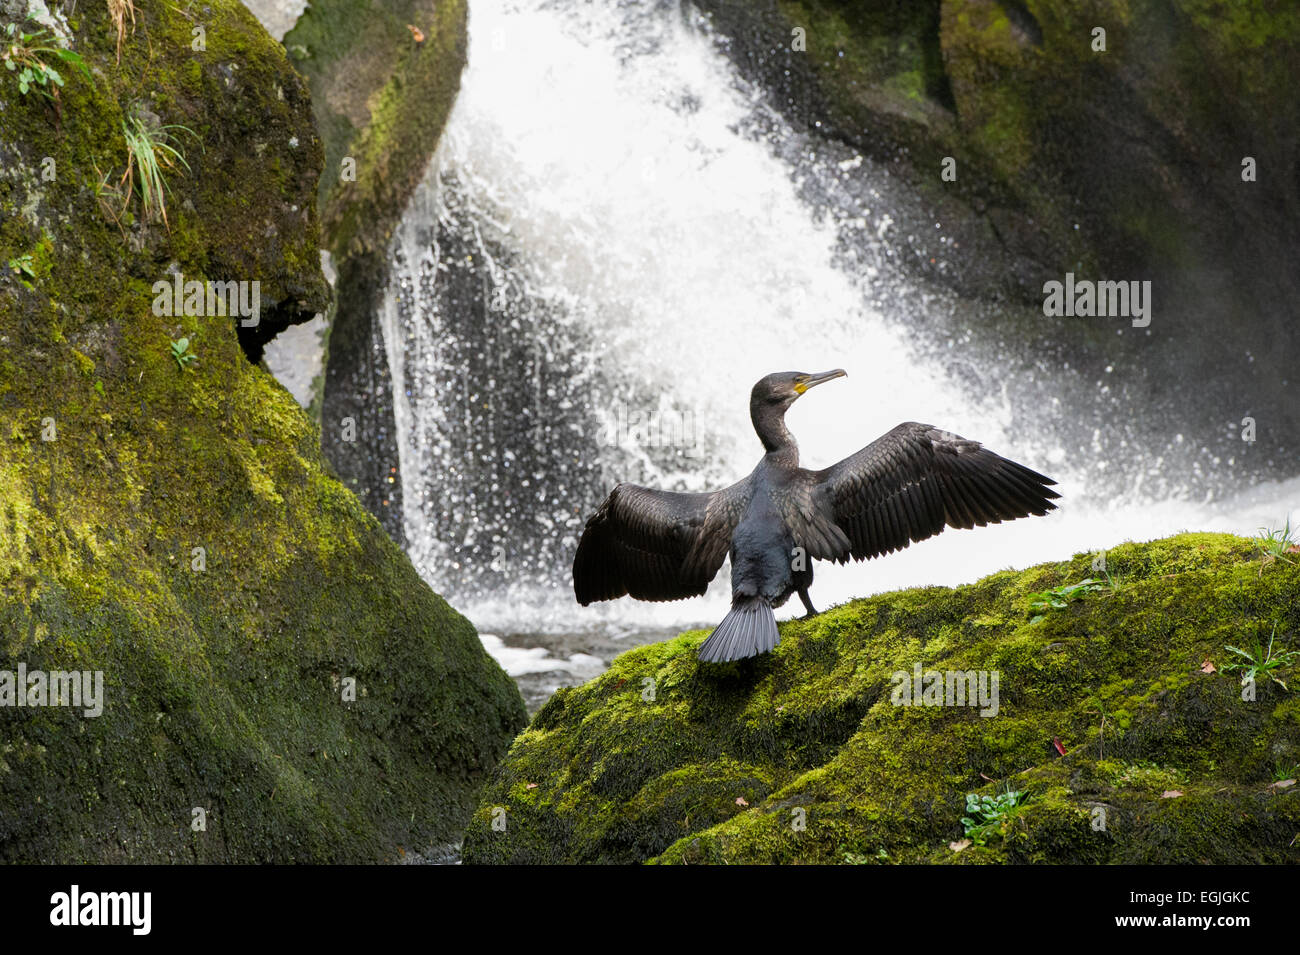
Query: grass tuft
point(1278, 543)
point(152, 153)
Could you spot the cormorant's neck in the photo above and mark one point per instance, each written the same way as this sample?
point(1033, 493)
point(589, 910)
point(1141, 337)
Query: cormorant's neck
point(769, 422)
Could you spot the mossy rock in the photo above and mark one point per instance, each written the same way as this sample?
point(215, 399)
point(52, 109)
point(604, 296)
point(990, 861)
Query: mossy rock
point(383, 81)
point(174, 526)
point(804, 756)
point(243, 211)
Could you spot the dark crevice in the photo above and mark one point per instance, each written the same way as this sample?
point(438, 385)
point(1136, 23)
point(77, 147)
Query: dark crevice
point(937, 85)
point(271, 322)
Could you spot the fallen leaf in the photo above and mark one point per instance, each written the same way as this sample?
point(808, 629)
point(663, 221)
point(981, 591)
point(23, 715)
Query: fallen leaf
point(958, 846)
point(531, 786)
point(1208, 667)
point(1171, 794)
point(1282, 784)
point(740, 801)
point(415, 32)
point(1059, 747)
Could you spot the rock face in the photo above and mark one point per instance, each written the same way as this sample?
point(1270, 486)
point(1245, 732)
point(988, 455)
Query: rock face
point(1123, 163)
point(1115, 718)
point(278, 683)
point(382, 95)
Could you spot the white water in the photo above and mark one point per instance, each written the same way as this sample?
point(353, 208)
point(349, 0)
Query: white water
point(661, 256)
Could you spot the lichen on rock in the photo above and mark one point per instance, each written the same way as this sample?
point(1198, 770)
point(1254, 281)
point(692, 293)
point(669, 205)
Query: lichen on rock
point(1115, 718)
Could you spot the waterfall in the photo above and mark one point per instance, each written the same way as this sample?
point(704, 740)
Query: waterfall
point(615, 239)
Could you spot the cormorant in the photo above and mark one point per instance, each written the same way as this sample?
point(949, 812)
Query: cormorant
point(904, 487)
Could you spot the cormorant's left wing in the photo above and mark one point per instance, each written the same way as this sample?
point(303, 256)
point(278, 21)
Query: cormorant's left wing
point(656, 545)
point(912, 482)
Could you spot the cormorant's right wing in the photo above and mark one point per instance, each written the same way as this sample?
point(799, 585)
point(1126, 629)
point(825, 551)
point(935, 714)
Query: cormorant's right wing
point(656, 545)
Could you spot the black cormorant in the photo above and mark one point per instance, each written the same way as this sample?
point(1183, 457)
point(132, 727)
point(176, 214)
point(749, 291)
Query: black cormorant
point(904, 487)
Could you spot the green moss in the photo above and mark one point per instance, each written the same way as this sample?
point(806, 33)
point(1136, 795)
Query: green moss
point(224, 668)
point(865, 50)
point(381, 100)
point(826, 765)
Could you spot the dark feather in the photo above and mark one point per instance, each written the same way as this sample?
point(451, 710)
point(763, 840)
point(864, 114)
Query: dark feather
point(911, 483)
point(655, 545)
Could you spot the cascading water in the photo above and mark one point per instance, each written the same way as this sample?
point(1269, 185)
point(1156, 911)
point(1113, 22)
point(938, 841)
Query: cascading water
point(614, 240)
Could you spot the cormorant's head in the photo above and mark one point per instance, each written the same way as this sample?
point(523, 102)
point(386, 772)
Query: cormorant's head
point(773, 395)
point(782, 388)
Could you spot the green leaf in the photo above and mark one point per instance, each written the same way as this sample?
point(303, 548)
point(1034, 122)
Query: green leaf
point(68, 56)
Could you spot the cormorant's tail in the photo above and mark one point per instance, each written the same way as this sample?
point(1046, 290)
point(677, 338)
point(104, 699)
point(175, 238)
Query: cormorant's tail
point(748, 630)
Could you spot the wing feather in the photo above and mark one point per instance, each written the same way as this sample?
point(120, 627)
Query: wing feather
point(655, 545)
point(912, 482)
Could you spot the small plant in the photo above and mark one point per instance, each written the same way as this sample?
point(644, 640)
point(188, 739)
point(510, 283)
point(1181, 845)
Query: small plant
point(1282, 773)
point(181, 352)
point(151, 153)
point(1278, 543)
point(31, 56)
point(24, 263)
point(991, 815)
point(1059, 598)
point(1114, 582)
point(1262, 661)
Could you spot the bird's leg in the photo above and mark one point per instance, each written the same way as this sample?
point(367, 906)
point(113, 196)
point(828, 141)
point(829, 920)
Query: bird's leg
point(807, 603)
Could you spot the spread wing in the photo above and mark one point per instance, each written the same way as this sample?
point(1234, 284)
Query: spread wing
point(911, 483)
point(656, 545)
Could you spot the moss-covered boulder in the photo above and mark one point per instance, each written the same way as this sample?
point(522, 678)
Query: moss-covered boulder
point(1117, 723)
point(278, 683)
point(383, 81)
